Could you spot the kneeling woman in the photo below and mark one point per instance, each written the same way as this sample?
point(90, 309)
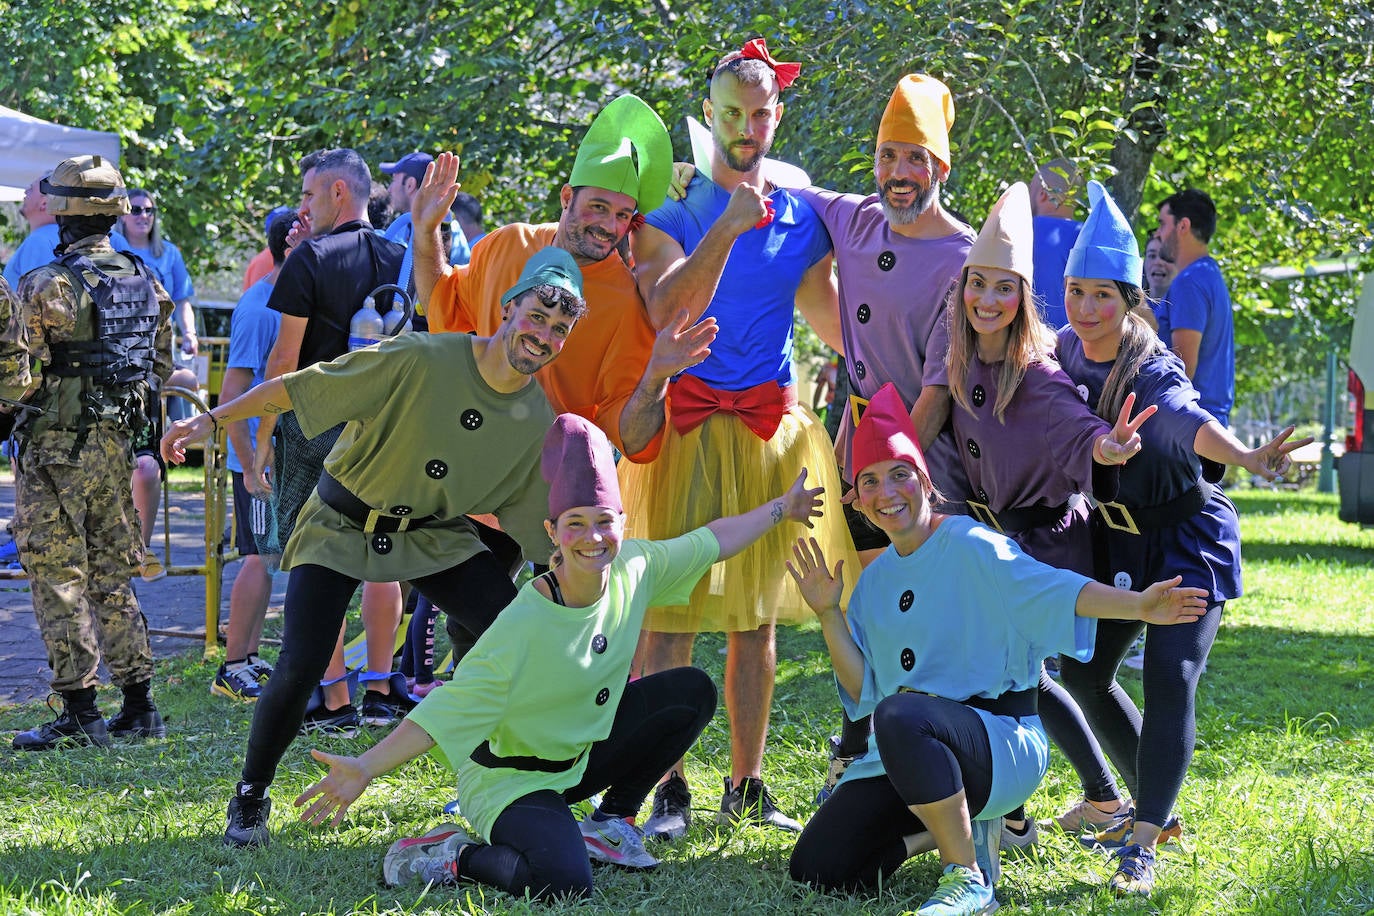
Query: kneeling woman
point(942, 644)
point(539, 713)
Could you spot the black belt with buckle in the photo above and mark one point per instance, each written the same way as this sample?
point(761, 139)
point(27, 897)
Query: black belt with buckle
point(1016, 520)
point(345, 502)
point(1146, 518)
point(1015, 703)
point(484, 756)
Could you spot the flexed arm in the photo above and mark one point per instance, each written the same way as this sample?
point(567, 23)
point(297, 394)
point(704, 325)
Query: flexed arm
point(670, 280)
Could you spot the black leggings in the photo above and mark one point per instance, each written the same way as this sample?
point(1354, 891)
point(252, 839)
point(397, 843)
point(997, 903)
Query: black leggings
point(536, 846)
point(1152, 752)
point(931, 748)
point(472, 593)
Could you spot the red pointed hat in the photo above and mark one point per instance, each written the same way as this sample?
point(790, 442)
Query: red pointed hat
point(579, 465)
point(885, 433)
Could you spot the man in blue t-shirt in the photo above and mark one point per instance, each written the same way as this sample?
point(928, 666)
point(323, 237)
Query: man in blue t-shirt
point(1196, 320)
point(37, 247)
point(252, 332)
point(1055, 231)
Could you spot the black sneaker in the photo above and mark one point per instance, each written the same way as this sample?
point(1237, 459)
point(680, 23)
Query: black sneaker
point(751, 803)
point(385, 708)
point(248, 813)
point(67, 730)
point(672, 813)
point(127, 724)
point(342, 722)
point(261, 669)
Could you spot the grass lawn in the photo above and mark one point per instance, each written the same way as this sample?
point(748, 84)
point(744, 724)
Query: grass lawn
point(1278, 808)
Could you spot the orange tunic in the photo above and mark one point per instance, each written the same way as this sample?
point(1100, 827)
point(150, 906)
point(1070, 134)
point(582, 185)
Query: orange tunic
point(606, 353)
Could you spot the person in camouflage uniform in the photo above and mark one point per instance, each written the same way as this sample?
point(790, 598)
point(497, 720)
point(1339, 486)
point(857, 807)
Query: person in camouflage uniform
point(85, 372)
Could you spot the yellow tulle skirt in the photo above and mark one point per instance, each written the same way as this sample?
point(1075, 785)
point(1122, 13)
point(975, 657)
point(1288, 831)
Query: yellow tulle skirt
point(721, 469)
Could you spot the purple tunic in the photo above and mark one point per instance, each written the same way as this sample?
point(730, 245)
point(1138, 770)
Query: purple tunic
point(1041, 456)
point(892, 311)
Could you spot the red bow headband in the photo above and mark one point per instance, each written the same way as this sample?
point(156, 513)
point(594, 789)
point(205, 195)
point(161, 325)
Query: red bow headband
point(756, 49)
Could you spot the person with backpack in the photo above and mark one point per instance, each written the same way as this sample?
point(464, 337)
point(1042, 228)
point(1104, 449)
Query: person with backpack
point(86, 351)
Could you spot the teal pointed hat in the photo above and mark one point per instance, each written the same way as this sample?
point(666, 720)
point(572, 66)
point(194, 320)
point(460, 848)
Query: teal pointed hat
point(626, 150)
point(1106, 248)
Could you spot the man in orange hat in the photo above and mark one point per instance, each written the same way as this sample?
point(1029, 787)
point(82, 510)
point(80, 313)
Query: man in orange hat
point(899, 252)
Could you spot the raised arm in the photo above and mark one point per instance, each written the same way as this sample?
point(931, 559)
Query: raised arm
point(822, 589)
point(669, 280)
point(798, 504)
point(1270, 461)
point(676, 347)
point(1165, 602)
point(266, 400)
point(428, 210)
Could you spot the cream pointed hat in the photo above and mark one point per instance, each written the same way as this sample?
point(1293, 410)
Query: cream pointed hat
point(1006, 241)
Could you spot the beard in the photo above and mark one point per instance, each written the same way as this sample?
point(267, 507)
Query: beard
point(521, 360)
point(582, 243)
point(921, 202)
point(741, 161)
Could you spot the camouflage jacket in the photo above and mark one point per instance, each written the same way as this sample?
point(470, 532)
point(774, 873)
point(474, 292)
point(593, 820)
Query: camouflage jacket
point(52, 309)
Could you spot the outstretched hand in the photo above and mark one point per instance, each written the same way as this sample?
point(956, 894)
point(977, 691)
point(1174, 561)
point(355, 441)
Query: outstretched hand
point(1271, 460)
point(678, 347)
point(1170, 602)
point(183, 433)
point(436, 193)
point(800, 503)
point(820, 587)
point(1124, 440)
point(335, 792)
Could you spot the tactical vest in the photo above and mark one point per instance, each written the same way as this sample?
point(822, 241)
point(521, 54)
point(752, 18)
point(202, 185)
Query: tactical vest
point(113, 359)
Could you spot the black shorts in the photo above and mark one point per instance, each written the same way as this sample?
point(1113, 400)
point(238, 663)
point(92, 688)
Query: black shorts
point(250, 518)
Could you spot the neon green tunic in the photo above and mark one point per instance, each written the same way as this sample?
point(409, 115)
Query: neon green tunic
point(448, 445)
point(545, 680)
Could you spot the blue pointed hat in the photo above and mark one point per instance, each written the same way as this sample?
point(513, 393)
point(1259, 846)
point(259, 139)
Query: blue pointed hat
point(1106, 248)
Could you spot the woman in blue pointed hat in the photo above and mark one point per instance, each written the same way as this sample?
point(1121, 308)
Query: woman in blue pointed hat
point(1168, 515)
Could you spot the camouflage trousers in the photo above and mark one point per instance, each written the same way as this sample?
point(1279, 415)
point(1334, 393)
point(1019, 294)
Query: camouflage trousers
point(78, 540)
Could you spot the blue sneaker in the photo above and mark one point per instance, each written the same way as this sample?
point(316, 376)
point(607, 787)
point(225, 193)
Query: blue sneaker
point(987, 842)
point(9, 552)
point(961, 892)
point(1135, 871)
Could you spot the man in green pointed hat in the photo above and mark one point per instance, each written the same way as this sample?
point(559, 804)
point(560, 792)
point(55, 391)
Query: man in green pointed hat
point(615, 370)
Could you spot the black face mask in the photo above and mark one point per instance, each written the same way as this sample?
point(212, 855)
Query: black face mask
point(72, 229)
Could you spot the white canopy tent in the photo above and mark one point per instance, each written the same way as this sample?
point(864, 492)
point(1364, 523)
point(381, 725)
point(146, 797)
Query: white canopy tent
point(30, 146)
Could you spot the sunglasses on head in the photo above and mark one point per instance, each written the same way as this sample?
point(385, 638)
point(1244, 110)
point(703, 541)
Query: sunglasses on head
point(141, 211)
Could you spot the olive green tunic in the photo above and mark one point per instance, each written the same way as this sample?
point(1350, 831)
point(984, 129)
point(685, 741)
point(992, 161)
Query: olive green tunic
point(425, 435)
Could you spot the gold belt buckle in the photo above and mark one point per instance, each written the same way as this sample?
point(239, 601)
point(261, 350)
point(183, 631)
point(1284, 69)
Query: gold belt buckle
point(374, 514)
point(1125, 523)
point(984, 514)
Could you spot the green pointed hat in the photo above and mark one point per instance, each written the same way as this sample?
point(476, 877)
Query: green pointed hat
point(626, 150)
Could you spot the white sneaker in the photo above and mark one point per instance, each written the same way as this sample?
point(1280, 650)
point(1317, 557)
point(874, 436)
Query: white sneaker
point(432, 858)
point(617, 841)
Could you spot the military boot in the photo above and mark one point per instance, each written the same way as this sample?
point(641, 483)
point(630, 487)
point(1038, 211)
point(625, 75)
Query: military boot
point(78, 725)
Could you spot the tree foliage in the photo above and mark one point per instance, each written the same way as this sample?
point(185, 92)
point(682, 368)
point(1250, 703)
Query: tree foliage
point(1267, 106)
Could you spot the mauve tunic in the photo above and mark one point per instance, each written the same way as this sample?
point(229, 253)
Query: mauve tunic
point(1040, 456)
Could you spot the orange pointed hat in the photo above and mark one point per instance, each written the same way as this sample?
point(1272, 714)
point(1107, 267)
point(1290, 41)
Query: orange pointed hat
point(921, 111)
point(885, 433)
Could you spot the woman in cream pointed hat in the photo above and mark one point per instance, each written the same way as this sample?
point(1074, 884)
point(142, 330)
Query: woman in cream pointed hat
point(1030, 445)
